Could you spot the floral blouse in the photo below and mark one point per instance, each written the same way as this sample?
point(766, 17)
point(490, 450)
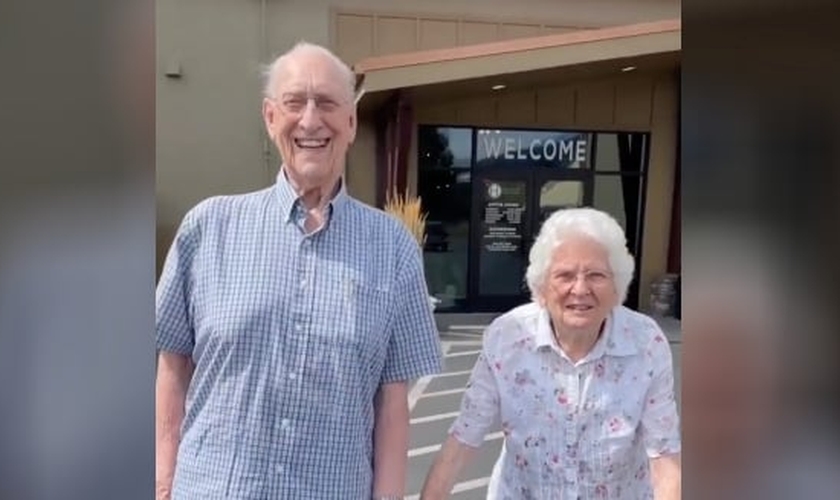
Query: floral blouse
point(582, 430)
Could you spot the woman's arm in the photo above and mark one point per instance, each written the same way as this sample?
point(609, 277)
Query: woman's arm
point(450, 461)
point(479, 411)
point(666, 473)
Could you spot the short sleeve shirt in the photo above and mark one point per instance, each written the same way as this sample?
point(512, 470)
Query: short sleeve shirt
point(583, 430)
point(292, 334)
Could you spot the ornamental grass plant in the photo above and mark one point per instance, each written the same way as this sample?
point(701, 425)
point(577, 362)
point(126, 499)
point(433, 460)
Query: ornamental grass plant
point(408, 209)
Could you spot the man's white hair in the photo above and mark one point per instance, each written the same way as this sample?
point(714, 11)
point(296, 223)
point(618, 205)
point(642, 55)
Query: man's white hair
point(590, 222)
point(274, 71)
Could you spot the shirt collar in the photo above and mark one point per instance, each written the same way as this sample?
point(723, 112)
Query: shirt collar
point(544, 336)
point(614, 342)
point(290, 204)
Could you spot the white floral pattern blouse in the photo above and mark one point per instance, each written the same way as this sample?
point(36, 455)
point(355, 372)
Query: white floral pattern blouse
point(572, 431)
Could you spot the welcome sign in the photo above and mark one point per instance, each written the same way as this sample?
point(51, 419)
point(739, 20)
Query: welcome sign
point(532, 148)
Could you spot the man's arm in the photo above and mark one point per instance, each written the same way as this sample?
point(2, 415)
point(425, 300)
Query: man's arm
point(666, 473)
point(173, 378)
point(390, 440)
point(453, 457)
point(413, 352)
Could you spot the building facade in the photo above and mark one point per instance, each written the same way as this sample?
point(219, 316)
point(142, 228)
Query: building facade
point(494, 117)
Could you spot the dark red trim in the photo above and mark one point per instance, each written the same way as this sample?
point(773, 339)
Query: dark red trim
point(675, 237)
point(394, 132)
point(403, 131)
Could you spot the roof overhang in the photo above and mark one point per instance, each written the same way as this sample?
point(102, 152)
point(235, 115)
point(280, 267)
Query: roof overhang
point(589, 47)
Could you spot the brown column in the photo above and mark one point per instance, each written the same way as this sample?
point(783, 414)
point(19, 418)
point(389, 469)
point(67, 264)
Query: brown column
point(675, 239)
point(394, 127)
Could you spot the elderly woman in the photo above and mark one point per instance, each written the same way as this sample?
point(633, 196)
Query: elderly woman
point(583, 387)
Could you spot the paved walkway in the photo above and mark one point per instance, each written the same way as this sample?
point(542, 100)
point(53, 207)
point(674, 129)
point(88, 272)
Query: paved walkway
point(434, 403)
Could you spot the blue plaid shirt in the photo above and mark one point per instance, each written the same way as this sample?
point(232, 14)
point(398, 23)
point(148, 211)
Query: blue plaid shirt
point(292, 335)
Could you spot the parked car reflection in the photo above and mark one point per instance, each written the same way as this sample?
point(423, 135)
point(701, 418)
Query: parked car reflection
point(437, 239)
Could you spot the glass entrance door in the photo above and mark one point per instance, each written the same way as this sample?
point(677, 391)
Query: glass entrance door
point(556, 190)
point(509, 207)
point(502, 220)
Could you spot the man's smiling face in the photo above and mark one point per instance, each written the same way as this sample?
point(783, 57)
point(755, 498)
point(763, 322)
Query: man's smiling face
point(311, 118)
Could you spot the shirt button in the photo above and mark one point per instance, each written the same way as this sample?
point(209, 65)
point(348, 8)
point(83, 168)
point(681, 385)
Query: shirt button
point(279, 469)
point(284, 424)
point(297, 327)
point(303, 283)
point(292, 375)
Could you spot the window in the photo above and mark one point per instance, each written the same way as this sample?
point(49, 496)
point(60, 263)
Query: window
point(445, 158)
point(620, 160)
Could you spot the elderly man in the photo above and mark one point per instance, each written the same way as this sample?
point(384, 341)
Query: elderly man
point(289, 320)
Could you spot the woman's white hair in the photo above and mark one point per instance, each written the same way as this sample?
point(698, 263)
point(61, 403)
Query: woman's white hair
point(590, 222)
point(274, 71)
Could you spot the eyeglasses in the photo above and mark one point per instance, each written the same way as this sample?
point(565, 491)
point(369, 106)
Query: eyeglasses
point(592, 278)
point(297, 103)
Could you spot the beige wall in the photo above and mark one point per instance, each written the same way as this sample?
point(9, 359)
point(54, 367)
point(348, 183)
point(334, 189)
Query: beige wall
point(366, 28)
point(210, 136)
point(386, 27)
point(360, 34)
point(361, 164)
point(660, 181)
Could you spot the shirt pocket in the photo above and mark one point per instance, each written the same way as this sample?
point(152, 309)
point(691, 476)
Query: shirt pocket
point(368, 309)
point(351, 339)
point(361, 313)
